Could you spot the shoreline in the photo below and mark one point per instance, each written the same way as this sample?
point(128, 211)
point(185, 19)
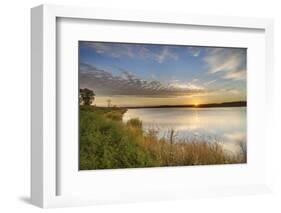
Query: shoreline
point(212, 105)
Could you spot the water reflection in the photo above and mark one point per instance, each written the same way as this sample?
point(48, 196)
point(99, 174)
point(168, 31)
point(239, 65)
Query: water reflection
point(226, 125)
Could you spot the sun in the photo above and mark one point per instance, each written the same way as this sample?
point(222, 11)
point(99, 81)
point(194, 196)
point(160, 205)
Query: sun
point(196, 104)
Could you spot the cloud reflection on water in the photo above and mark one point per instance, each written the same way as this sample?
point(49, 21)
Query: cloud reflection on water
point(224, 125)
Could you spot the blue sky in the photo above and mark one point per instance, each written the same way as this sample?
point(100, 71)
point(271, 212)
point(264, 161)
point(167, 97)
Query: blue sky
point(149, 74)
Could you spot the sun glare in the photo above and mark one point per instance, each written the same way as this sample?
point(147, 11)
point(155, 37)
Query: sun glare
point(196, 104)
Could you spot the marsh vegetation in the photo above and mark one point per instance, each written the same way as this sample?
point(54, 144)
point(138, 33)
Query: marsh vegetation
point(106, 142)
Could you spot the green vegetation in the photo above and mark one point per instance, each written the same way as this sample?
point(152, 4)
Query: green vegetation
point(107, 143)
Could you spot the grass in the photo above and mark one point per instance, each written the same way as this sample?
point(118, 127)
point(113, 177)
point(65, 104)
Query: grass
point(108, 143)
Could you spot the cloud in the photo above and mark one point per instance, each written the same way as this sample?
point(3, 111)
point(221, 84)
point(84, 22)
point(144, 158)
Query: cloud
point(165, 55)
point(157, 53)
point(190, 86)
point(194, 51)
point(237, 75)
point(210, 82)
point(235, 136)
point(234, 141)
point(229, 63)
point(114, 50)
point(228, 91)
point(105, 83)
point(223, 92)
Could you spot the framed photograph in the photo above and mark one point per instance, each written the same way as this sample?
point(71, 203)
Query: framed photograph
point(129, 106)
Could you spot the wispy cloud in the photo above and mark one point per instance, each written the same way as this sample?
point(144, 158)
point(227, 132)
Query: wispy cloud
point(229, 63)
point(166, 54)
point(229, 91)
point(159, 54)
point(237, 75)
point(194, 51)
point(114, 50)
point(210, 82)
point(191, 86)
point(105, 83)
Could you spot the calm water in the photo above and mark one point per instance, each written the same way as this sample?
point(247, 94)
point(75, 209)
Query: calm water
point(226, 125)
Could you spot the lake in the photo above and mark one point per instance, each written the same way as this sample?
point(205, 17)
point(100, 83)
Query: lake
point(226, 125)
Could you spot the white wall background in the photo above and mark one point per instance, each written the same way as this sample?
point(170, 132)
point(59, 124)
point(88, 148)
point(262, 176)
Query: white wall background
point(15, 105)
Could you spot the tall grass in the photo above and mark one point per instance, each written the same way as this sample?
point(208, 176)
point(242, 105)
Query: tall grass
point(107, 143)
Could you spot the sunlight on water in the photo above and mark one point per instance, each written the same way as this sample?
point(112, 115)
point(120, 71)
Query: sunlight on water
point(225, 125)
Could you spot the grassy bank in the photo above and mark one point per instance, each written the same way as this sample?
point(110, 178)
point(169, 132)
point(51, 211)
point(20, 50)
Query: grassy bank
point(106, 143)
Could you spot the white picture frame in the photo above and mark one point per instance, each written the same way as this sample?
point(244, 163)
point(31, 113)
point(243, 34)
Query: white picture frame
point(45, 168)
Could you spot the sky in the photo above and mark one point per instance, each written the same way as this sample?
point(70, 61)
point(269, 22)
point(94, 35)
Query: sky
point(154, 74)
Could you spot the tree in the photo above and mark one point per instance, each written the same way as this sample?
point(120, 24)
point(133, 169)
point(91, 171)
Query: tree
point(86, 96)
point(108, 102)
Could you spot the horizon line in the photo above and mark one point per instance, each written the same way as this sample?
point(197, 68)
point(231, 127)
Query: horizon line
point(214, 104)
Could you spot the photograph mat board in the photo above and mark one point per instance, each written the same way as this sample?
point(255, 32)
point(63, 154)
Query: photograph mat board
point(87, 31)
